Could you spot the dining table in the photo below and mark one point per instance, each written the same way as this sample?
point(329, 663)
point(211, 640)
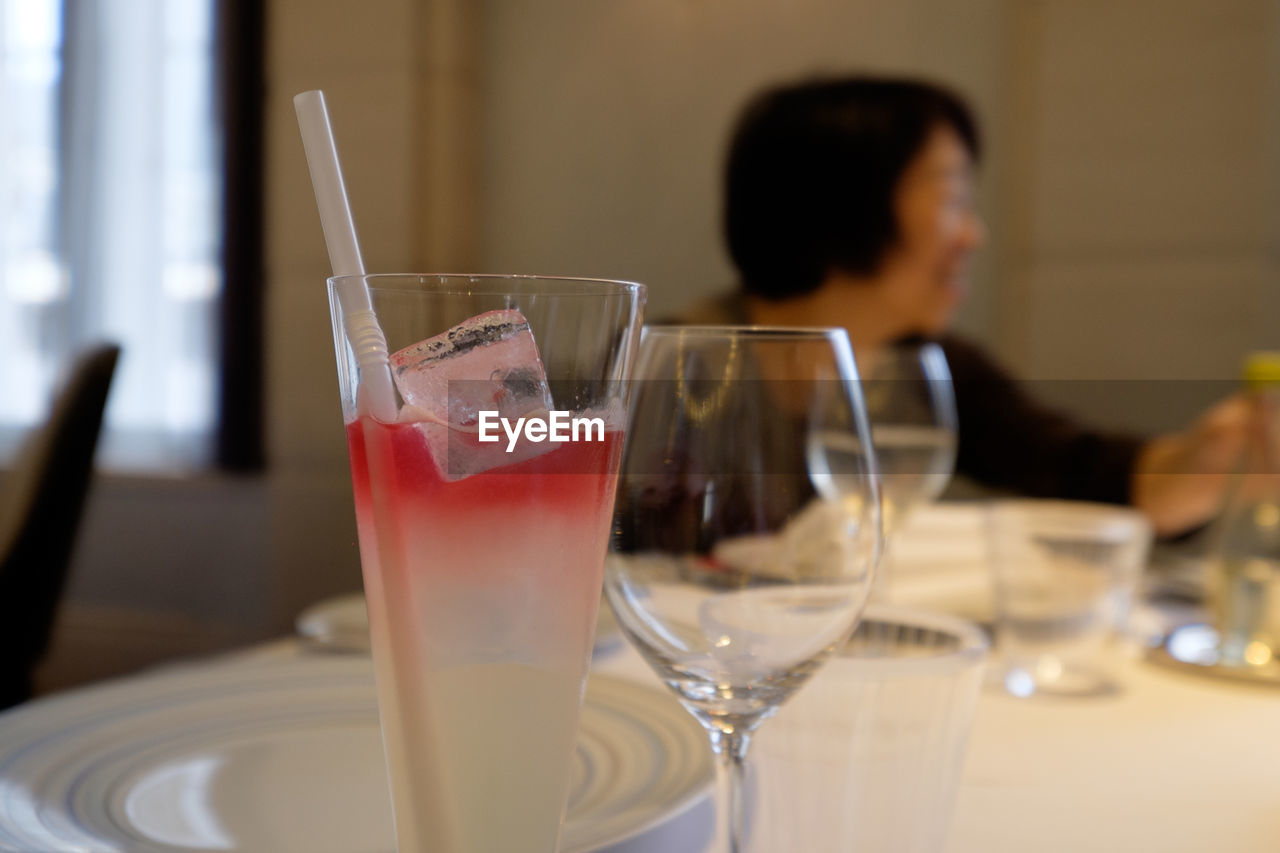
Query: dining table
point(1170, 761)
point(1173, 759)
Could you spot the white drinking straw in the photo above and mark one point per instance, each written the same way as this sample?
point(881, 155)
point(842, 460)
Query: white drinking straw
point(376, 396)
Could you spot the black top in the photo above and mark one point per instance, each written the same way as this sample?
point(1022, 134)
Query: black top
point(1010, 441)
point(1007, 440)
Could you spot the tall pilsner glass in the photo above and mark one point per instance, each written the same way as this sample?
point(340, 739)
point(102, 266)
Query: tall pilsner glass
point(748, 523)
point(482, 556)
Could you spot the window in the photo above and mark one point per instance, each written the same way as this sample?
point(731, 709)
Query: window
point(33, 282)
point(111, 188)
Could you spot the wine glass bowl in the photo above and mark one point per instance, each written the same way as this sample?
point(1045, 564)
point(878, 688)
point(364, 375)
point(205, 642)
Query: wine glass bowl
point(912, 409)
point(746, 530)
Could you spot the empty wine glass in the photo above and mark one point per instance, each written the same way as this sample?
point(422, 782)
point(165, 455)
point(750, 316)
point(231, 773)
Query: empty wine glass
point(747, 526)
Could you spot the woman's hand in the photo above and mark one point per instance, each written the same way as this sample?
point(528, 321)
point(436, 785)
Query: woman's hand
point(1180, 480)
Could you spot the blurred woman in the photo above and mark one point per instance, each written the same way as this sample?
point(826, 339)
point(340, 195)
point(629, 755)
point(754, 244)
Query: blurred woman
point(849, 202)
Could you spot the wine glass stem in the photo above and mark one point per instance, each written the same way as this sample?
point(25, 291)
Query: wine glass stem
point(884, 573)
point(730, 748)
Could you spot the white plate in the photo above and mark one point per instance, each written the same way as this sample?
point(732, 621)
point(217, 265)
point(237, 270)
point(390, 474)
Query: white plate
point(342, 624)
point(286, 756)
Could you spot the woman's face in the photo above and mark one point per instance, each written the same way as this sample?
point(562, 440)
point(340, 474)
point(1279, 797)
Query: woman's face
point(924, 275)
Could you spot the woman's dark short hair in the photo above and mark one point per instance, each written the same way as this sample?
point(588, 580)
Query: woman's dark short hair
point(812, 171)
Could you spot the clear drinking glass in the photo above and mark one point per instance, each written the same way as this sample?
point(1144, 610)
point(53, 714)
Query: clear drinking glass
point(482, 559)
point(1065, 576)
point(872, 751)
point(747, 526)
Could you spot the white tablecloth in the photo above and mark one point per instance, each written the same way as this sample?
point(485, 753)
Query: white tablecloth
point(1173, 762)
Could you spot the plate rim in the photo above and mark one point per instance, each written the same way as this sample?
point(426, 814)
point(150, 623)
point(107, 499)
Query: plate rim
point(41, 723)
point(699, 787)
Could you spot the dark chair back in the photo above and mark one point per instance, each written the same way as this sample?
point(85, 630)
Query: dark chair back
point(40, 510)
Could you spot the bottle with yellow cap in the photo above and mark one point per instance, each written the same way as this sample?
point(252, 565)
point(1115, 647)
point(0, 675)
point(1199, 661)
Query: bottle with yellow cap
point(1244, 561)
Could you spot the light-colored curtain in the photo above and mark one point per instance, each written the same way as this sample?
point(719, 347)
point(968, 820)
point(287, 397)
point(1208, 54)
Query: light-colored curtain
point(33, 281)
point(133, 251)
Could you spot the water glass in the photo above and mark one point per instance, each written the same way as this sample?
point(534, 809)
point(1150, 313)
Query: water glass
point(1065, 574)
point(871, 753)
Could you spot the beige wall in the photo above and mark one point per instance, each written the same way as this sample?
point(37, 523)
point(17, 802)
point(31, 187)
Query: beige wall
point(1141, 204)
point(605, 123)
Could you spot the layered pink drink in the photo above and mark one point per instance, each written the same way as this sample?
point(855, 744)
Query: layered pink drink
point(482, 567)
